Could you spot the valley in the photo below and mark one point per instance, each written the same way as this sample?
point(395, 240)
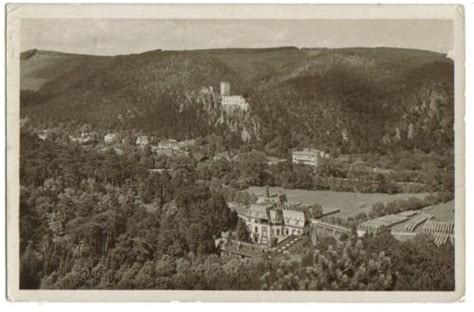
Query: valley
point(237, 169)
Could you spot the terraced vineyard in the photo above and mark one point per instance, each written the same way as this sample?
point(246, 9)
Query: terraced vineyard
point(442, 238)
point(376, 224)
point(441, 231)
point(439, 227)
point(413, 223)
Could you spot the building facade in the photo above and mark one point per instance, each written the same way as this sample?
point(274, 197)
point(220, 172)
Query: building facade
point(84, 138)
point(142, 140)
point(111, 138)
point(231, 102)
point(307, 156)
point(168, 144)
point(270, 219)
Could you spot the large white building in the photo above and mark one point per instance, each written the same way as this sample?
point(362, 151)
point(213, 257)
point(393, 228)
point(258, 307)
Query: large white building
point(308, 157)
point(172, 147)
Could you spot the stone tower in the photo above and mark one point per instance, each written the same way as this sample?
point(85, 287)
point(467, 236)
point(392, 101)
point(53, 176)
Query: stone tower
point(225, 88)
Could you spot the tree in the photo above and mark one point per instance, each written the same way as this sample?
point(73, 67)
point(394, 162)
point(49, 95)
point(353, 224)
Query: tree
point(340, 267)
point(316, 211)
point(30, 268)
point(145, 278)
point(242, 231)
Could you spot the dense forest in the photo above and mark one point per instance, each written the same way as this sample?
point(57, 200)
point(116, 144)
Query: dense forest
point(84, 223)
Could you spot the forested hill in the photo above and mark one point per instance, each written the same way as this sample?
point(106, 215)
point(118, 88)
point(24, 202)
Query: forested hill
point(340, 100)
point(39, 67)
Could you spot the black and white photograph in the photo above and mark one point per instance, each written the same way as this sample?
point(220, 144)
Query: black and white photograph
point(252, 154)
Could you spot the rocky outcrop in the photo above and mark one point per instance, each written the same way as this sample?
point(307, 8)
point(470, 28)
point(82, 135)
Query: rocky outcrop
point(241, 121)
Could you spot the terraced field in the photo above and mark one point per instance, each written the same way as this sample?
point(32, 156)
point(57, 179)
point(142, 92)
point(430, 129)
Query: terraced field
point(442, 212)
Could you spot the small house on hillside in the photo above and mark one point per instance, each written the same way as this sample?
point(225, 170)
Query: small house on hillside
point(142, 140)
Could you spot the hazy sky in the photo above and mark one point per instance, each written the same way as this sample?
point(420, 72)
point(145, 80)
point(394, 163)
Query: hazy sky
point(111, 37)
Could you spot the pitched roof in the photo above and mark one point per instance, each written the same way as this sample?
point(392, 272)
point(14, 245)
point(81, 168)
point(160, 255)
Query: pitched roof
point(276, 216)
point(331, 227)
point(293, 218)
point(242, 210)
point(258, 211)
point(268, 200)
point(241, 248)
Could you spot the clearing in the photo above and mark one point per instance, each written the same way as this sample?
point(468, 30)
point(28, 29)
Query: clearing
point(349, 203)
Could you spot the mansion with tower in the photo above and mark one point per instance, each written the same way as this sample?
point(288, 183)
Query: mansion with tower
point(272, 218)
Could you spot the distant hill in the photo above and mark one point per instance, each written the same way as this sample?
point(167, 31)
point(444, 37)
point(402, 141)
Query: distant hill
point(39, 67)
point(342, 100)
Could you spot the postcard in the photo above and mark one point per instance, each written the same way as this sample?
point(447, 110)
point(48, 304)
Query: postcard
point(270, 153)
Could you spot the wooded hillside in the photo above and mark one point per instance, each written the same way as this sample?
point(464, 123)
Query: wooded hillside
point(341, 100)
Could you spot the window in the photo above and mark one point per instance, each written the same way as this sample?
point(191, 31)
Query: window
point(256, 229)
point(287, 232)
point(278, 232)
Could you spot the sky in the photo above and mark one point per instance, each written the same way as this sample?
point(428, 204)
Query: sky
point(125, 36)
